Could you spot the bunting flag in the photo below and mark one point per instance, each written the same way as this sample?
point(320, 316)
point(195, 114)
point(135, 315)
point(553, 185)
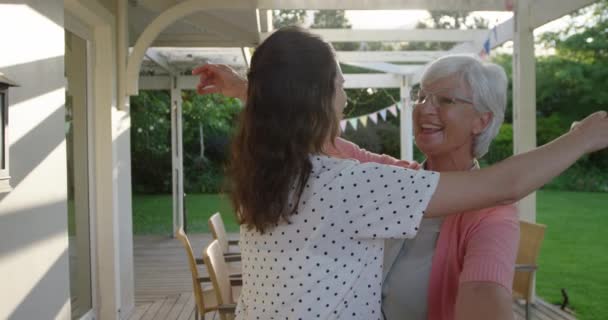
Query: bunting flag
point(486, 46)
point(374, 117)
point(353, 123)
point(509, 5)
point(383, 114)
point(393, 110)
point(363, 120)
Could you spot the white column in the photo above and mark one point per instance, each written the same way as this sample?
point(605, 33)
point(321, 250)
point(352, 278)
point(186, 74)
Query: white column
point(122, 165)
point(177, 155)
point(265, 20)
point(406, 127)
point(524, 95)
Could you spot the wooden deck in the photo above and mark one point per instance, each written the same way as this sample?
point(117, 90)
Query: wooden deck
point(163, 288)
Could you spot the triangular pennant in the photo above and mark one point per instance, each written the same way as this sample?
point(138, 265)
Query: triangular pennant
point(486, 46)
point(383, 114)
point(363, 120)
point(343, 125)
point(393, 110)
point(353, 123)
point(374, 117)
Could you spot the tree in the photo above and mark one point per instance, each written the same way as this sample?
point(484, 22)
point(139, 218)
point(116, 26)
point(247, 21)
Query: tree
point(151, 140)
point(283, 18)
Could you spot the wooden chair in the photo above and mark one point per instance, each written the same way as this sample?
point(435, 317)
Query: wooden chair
point(216, 225)
point(530, 241)
point(226, 290)
point(204, 298)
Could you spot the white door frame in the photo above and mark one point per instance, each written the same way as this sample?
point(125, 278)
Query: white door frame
point(76, 26)
point(94, 23)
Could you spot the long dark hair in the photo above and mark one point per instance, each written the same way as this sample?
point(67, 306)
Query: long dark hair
point(288, 116)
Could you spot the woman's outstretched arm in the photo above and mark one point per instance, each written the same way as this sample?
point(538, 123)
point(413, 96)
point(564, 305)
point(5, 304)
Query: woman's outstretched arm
point(514, 178)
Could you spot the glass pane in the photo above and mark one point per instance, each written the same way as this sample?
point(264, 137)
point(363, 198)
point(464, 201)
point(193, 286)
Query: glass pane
point(2, 124)
point(78, 174)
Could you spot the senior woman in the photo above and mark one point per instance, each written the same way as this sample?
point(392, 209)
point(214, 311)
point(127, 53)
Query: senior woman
point(463, 264)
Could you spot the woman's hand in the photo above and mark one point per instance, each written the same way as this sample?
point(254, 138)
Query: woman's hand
point(220, 78)
point(593, 131)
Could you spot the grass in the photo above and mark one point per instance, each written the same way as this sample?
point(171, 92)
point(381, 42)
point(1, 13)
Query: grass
point(574, 255)
point(152, 214)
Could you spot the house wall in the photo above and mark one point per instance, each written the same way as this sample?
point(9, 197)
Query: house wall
point(34, 261)
point(33, 216)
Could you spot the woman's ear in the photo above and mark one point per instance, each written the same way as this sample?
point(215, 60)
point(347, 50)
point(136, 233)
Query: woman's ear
point(482, 122)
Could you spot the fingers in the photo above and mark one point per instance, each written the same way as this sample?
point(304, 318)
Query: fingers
point(207, 89)
point(574, 125)
point(204, 69)
point(210, 68)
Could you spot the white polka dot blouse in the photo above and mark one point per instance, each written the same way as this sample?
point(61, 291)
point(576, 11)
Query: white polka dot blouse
point(326, 263)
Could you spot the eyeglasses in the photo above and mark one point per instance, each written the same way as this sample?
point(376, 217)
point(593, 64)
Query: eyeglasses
point(420, 97)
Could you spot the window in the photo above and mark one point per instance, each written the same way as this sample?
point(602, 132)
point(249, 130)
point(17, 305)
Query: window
point(4, 176)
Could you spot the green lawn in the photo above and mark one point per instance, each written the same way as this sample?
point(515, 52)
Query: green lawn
point(152, 214)
point(574, 254)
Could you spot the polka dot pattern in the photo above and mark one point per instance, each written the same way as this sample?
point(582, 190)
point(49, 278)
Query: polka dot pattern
point(326, 263)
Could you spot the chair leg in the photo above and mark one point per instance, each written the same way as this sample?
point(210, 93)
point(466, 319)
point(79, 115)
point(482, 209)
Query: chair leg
point(528, 310)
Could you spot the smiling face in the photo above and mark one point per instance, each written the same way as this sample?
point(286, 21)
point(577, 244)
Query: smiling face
point(445, 124)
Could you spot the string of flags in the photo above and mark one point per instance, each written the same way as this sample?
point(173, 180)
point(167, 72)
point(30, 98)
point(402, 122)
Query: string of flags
point(373, 117)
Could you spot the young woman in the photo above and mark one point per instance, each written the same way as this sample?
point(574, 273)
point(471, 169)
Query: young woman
point(313, 226)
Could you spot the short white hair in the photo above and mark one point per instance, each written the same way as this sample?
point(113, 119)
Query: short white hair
point(488, 83)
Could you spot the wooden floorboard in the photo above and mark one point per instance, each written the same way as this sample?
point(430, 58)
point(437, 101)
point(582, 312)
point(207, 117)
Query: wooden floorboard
point(163, 288)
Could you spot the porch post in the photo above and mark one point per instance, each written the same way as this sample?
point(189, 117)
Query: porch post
point(524, 95)
point(177, 154)
point(405, 116)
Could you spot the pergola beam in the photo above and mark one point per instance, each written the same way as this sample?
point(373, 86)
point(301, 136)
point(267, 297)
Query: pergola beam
point(389, 56)
point(352, 81)
point(544, 11)
point(453, 5)
point(160, 60)
point(387, 67)
point(197, 40)
point(419, 35)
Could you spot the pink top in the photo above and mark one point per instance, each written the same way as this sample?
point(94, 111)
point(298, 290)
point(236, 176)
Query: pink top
point(476, 246)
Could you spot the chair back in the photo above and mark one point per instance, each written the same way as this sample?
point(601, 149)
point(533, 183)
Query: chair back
point(196, 285)
point(218, 272)
point(530, 240)
point(216, 225)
